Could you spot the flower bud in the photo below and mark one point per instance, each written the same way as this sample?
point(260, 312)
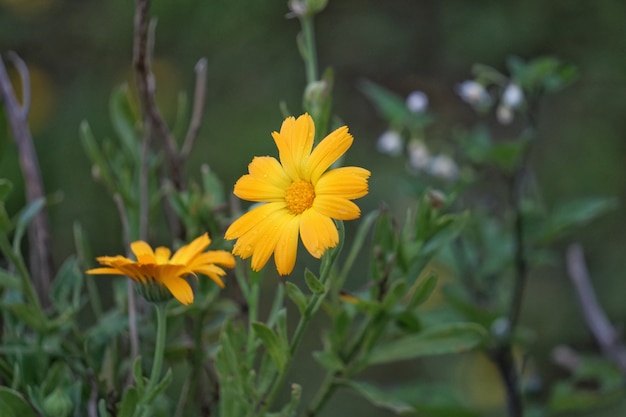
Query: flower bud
point(153, 291)
point(504, 114)
point(444, 167)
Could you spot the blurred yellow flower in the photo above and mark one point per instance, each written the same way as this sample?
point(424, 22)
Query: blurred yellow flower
point(300, 196)
point(156, 267)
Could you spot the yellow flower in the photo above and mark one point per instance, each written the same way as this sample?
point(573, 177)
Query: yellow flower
point(156, 267)
point(300, 196)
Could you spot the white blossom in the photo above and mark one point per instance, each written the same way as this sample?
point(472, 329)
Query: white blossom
point(473, 93)
point(513, 96)
point(444, 167)
point(419, 156)
point(417, 102)
point(390, 143)
point(504, 114)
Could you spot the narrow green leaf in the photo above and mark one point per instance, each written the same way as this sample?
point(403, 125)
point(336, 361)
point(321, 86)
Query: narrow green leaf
point(296, 295)
point(29, 314)
point(8, 280)
point(13, 404)
point(161, 386)
point(423, 290)
point(380, 398)
point(97, 157)
point(389, 105)
point(138, 375)
point(129, 403)
point(272, 345)
point(124, 121)
point(5, 188)
point(102, 408)
point(443, 339)
point(314, 284)
point(66, 287)
point(329, 360)
point(24, 218)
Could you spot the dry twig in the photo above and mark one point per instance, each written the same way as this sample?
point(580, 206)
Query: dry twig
point(594, 315)
point(39, 230)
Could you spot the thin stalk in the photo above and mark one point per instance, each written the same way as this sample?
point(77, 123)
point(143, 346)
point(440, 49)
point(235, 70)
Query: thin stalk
point(314, 302)
point(310, 51)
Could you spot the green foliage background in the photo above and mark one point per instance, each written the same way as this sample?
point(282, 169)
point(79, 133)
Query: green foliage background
point(79, 50)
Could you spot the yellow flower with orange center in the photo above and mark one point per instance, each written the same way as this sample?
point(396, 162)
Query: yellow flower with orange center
point(156, 267)
point(300, 195)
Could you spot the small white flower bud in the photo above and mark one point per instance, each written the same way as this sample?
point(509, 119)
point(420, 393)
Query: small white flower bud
point(419, 157)
point(444, 167)
point(390, 143)
point(473, 93)
point(504, 114)
point(417, 102)
point(512, 96)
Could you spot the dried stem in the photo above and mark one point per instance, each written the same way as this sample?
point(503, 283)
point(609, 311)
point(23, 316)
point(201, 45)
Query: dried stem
point(39, 230)
point(147, 89)
point(594, 315)
point(198, 108)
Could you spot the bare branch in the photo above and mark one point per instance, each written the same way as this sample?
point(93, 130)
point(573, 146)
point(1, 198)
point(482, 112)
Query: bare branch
point(594, 315)
point(38, 231)
point(198, 108)
point(143, 38)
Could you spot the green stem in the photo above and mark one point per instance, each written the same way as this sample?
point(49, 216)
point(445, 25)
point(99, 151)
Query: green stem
point(314, 302)
point(143, 407)
point(323, 394)
point(310, 54)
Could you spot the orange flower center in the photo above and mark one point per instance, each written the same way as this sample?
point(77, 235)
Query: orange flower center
point(299, 196)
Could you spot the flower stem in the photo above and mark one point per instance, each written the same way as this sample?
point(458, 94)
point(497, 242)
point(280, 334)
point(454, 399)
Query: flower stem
point(314, 302)
point(27, 285)
point(310, 52)
point(159, 348)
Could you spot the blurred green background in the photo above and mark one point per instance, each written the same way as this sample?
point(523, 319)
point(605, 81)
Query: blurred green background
point(79, 50)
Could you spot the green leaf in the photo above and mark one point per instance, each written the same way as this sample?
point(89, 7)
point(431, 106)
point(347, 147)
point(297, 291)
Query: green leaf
point(24, 218)
point(67, 285)
point(423, 290)
point(329, 360)
point(98, 159)
point(272, 345)
point(8, 280)
point(296, 295)
point(160, 387)
point(13, 404)
point(124, 121)
point(390, 106)
point(102, 408)
point(5, 188)
point(314, 284)
point(138, 374)
point(439, 340)
point(130, 400)
point(28, 314)
point(380, 398)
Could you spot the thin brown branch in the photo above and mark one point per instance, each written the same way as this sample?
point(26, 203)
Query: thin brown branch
point(198, 108)
point(594, 315)
point(147, 88)
point(40, 258)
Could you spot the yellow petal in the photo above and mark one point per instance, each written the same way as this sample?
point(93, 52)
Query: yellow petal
point(346, 182)
point(270, 169)
point(336, 207)
point(180, 289)
point(106, 271)
point(318, 232)
point(213, 272)
point(162, 255)
point(294, 143)
point(252, 218)
point(258, 189)
point(186, 253)
point(327, 152)
point(287, 246)
point(219, 257)
point(268, 235)
point(143, 252)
